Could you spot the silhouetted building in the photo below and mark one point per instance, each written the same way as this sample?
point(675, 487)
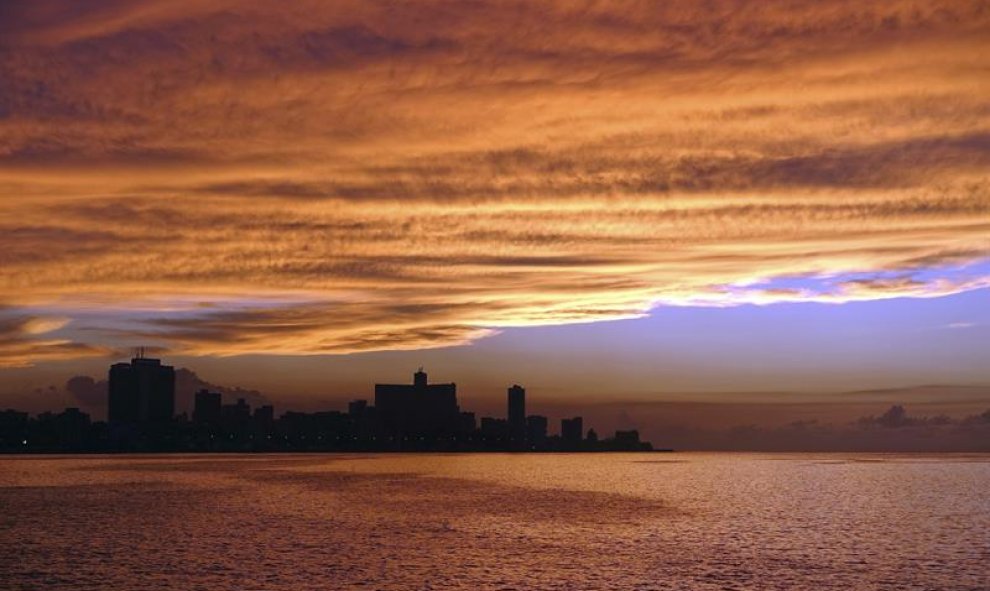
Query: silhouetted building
point(73, 419)
point(629, 438)
point(264, 418)
point(356, 408)
point(467, 423)
point(67, 429)
point(418, 409)
point(364, 419)
point(516, 415)
point(317, 430)
point(536, 429)
point(206, 408)
point(572, 431)
point(494, 429)
point(73, 426)
point(592, 436)
point(627, 441)
point(13, 429)
point(235, 418)
point(142, 391)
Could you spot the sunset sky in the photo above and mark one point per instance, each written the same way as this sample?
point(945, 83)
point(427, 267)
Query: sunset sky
point(638, 201)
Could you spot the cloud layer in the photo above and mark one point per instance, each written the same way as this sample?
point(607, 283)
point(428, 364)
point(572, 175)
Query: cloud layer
point(236, 177)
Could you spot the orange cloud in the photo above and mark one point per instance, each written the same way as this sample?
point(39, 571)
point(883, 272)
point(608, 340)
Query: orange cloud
point(413, 175)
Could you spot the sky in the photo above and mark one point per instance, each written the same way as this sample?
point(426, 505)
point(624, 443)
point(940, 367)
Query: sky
point(610, 202)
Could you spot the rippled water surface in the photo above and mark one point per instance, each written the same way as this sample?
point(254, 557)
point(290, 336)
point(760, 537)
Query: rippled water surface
point(607, 521)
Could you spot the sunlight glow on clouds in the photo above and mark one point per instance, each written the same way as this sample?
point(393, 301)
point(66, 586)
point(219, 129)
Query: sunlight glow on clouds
point(308, 177)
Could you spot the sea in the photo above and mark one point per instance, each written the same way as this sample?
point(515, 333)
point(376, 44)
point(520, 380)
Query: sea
point(610, 521)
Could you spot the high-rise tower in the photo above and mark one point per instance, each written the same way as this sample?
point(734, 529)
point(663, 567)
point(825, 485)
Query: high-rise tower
point(517, 412)
point(142, 391)
point(420, 408)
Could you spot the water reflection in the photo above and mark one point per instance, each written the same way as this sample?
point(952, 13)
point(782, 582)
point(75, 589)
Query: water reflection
point(690, 521)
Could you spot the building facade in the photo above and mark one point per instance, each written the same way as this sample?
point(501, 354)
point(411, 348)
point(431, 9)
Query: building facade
point(572, 431)
point(418, 409)
point(142, 391)
point(206, 408)
point(516, 399)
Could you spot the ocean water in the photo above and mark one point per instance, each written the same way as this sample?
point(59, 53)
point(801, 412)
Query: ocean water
point(493, 521)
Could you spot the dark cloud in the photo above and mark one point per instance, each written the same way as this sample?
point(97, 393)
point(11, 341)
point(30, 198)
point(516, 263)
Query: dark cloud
point(88, 392)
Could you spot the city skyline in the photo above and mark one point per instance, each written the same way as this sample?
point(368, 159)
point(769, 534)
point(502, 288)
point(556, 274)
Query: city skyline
point(741, 205)
point(178, 400)
point(142, 416)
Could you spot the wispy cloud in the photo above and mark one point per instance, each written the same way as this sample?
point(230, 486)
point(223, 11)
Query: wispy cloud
point(25, 340)
point(412, 175)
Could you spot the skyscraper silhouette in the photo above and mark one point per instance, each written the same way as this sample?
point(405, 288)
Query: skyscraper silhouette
point(142, 391)
point(516, 398)
point(536, 429)
point(419, 408)
point(572, 431)
point(207, 408)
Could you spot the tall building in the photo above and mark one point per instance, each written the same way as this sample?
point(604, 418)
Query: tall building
point(206, 408)
point(572, 431)
point(419, 408)
point(235, 418)
point(264, 418)
point(142, 391)
point(536, 429)
point(517, 412)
